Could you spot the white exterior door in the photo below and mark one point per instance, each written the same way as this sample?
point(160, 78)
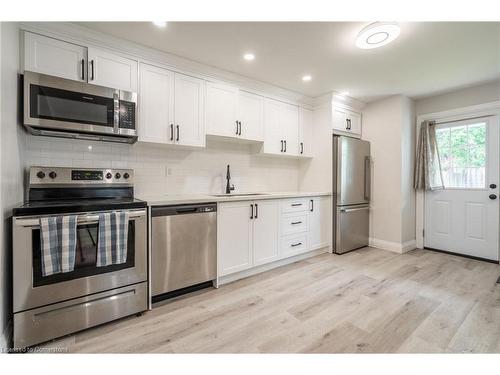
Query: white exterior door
point(464, 217)
point(222, 101)
point(265, 232)
point(251, 116)
point(234, 237)
point(54, 57)
point(156, 105)
point(111, 70)
point(189, 101)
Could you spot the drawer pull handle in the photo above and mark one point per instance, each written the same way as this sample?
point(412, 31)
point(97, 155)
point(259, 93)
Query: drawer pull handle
point(296, 244)
point(296, 222)
point(296, 204)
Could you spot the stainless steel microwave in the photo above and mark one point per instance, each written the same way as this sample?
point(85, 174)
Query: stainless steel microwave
point(61, 107)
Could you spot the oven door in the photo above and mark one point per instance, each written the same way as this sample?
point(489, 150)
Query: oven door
point(64, 105)
point(31, 289)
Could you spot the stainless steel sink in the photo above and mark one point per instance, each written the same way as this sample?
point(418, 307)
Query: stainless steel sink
point(237, 194)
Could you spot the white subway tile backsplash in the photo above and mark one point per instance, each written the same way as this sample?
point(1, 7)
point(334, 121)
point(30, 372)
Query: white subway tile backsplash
point(163, 169)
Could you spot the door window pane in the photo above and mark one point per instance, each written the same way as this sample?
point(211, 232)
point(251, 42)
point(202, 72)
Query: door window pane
point(462, 152)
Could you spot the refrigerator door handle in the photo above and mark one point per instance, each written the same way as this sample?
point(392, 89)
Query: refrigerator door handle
point(367, 193)
point(347, 210)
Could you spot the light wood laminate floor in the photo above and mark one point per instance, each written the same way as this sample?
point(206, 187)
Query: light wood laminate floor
point(365, 301)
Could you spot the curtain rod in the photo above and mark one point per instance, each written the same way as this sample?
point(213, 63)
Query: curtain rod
point(463, 119)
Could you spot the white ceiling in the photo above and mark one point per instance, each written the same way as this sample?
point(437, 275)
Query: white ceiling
point(427, 58)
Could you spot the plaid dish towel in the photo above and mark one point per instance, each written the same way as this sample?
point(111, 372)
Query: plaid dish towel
point(113, 238)
point(58, 244)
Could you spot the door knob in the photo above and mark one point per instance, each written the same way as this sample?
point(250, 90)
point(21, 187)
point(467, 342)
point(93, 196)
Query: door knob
point(493, 186)
point(493, 196)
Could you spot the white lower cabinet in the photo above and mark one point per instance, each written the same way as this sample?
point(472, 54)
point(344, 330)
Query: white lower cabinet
point(254, 233)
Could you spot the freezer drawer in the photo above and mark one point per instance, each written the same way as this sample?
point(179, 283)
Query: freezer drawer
point(351, 228)
point(183, 246)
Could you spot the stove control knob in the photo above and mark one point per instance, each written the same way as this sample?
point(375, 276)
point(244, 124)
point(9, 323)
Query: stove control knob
point(40, 174)
point(52, 175)
point(126, 175)
point(108, 175)
point(117, 175)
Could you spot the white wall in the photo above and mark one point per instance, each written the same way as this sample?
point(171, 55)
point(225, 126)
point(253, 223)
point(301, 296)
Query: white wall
point(484, 93)
point(389, 126)
point(165, 170)
point(12, 145)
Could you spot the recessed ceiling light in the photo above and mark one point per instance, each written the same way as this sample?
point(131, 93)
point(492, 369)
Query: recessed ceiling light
point(249, 56)
point(306, 78)
point(377, 34)
point(160, 23)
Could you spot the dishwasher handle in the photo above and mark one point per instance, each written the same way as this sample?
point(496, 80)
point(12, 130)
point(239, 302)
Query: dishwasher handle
point(185, 209)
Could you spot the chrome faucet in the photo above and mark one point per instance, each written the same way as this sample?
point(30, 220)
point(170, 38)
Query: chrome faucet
point(228, 179)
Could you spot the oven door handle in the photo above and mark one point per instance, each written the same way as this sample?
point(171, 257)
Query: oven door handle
point(81, 219)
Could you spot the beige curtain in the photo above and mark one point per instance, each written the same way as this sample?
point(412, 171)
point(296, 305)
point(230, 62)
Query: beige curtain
point(428, 174)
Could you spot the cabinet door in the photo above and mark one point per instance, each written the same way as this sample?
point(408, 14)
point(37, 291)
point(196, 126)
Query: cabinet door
point(234, 237)
point(305, 132)
point(320, 216)
point(222, 101)
point(273, 135)
point(265, 232)
point(54, 57)
point(290, 128)
point(339, 119)
point(251, 116)
point(355, 122)
point(189, 115)
point(111, 70)
point(156, 105)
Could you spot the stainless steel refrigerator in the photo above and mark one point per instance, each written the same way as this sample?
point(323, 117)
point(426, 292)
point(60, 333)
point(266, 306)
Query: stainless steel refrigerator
point(351, 193)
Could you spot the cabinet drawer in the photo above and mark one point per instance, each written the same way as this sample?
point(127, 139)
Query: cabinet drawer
point(294, 244)
point(292, 224)
point(295, 205)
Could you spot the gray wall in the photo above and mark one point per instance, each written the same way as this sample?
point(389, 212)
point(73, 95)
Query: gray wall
point(11, 154)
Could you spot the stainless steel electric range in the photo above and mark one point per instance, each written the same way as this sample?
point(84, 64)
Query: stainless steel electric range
point(47, 307)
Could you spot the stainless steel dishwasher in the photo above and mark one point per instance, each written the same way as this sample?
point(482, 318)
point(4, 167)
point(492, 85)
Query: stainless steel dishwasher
point(184, 248)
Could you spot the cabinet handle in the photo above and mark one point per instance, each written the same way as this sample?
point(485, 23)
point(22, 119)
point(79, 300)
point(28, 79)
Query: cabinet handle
point(251, 210)
point(92, 69)
point(281, 146)
point(285, 145)
point(296, 222)
point(296, 244)
point(348, 122)
point(171, 132)
point(301, 147)
point(178, 132)
point(240, 127)
point(312, 205)
point(296, 204)
point(236, 127)
point(83, 69)
point(256, 210)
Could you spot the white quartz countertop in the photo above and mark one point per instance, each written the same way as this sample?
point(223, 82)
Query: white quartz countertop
point(171, 199)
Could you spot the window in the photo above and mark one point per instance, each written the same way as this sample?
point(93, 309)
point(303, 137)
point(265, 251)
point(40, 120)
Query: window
point(462, 152)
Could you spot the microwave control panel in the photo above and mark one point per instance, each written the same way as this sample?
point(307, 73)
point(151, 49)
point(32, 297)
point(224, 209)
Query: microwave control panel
point(127, 115)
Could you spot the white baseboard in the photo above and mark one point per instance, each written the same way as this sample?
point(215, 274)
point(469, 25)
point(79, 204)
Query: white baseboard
point(395, 247)
point(266, 267)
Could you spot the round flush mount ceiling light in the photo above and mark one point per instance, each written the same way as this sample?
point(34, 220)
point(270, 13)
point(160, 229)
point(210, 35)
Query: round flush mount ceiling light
point(160, 23)
point(249, 56)
point(306, 78)
point(377, 34)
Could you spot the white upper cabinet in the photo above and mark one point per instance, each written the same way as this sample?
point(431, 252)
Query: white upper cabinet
point(189, 110)
point(250, 116)
point(305, 132)
point(87, 64)
point(345, 121)
point(54, 57)
point(234, 113)
point(281, 128)
point(171, 107)
point(156, 105)
point(222, 102)
point(111, 70)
